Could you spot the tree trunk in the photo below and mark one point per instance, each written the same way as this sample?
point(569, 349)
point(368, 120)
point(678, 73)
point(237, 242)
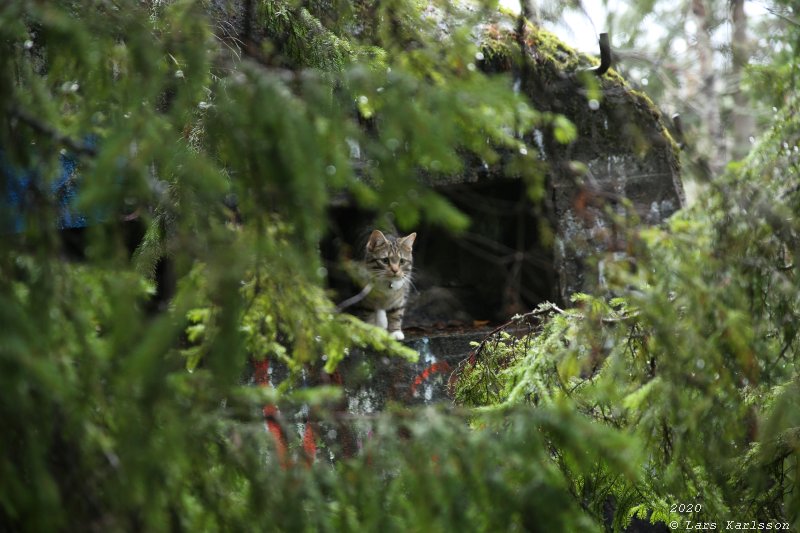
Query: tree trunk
point(742, 117)
point(712, 143)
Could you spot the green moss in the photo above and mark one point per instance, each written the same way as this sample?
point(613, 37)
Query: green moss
point(546, 47)
point(497, 51)
point(499, 46)
point(552, 59)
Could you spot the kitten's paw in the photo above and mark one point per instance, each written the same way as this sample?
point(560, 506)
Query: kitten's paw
point(397, 335)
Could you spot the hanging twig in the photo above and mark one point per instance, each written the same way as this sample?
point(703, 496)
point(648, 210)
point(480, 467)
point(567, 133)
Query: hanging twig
point(783, 17)
point(605, 56)
point(515, 320)
point(678, 124)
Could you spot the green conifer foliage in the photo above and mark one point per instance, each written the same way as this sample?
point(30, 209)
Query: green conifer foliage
point(697, 362)
point(118, 415)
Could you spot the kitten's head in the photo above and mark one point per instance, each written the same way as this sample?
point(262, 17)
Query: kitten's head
point(390, 258)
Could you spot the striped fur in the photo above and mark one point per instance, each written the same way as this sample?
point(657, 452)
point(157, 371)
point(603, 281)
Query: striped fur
point(389, 261)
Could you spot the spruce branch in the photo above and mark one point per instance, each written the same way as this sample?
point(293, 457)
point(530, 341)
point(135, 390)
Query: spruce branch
point(37, 125)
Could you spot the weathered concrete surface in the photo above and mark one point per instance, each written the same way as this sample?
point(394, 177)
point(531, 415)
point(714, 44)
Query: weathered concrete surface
point(630, 175)
point(623, 162)
point(370, 384)
point(372, 381)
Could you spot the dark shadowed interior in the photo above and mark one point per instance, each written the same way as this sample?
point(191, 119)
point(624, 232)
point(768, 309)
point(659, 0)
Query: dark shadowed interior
point(485, 275)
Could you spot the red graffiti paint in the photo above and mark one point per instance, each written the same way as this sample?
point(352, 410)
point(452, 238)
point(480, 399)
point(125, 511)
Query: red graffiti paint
point(261, 374)
point(276, 431)
point(439, 366)
point(310, 444)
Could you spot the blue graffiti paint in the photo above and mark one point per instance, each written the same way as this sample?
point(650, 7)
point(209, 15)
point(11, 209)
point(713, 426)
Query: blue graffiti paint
point(24, 187)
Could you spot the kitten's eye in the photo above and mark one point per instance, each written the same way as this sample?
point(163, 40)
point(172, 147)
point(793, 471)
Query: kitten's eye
point(385, 260)
point(402, 261)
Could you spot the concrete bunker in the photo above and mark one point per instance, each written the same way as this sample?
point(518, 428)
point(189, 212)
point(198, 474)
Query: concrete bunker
point(623, 163)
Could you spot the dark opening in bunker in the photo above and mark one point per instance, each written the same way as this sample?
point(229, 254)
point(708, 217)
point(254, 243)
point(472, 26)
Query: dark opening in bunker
point(500, 266)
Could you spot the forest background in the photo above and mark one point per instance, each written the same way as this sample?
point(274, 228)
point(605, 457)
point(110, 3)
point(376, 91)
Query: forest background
point(123, 413)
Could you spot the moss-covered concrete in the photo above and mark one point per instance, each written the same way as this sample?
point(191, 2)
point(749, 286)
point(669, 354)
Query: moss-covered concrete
point(628, 161)
point(624, 154)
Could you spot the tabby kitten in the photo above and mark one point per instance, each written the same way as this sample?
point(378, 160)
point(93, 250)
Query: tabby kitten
point(388, 260)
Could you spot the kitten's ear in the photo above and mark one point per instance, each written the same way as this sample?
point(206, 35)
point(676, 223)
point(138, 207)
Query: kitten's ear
point(376, 238)
point(408, 241)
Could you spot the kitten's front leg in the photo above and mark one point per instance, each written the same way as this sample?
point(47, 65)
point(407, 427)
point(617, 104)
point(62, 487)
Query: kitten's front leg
point(395, 319)
point(381, 319)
